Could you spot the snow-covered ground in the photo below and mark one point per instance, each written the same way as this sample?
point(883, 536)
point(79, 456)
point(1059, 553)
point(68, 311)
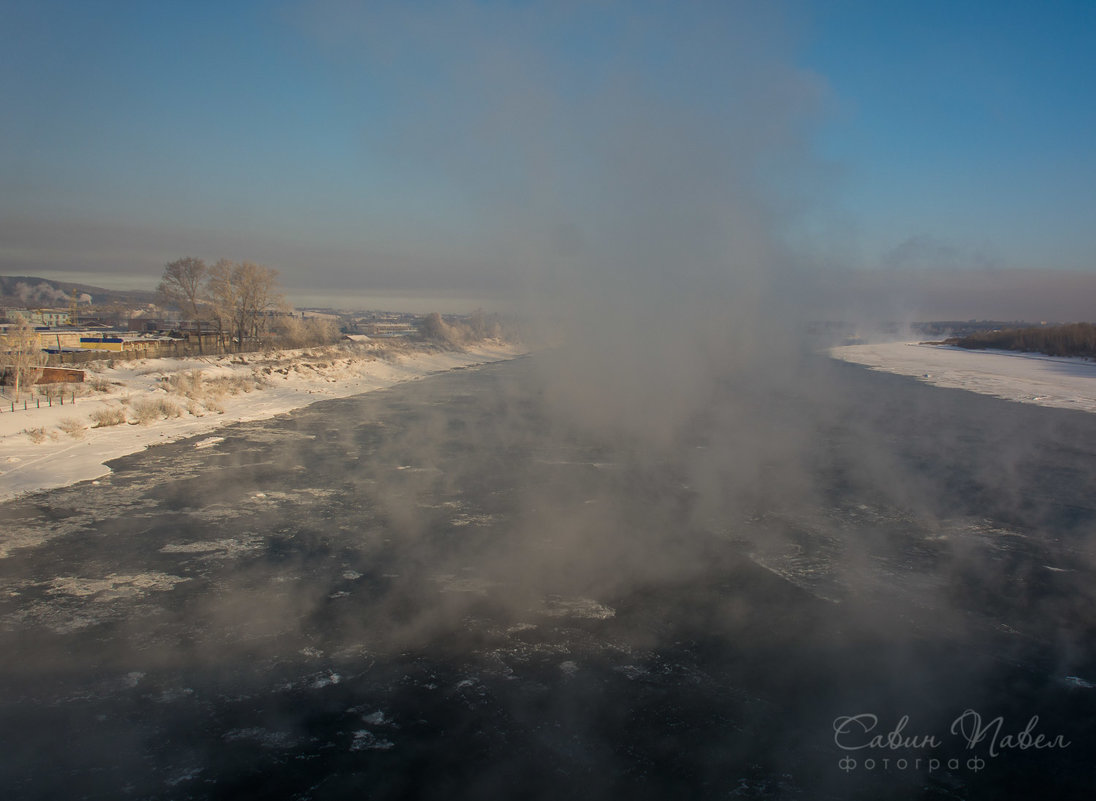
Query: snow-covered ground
point(1023, 377)
point(160, 400)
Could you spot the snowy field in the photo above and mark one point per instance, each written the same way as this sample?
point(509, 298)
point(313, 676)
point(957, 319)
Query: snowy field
point(152, 401)
point(1063, 383)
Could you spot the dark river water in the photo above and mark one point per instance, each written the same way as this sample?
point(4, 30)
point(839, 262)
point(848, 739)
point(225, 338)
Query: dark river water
point(448, 591)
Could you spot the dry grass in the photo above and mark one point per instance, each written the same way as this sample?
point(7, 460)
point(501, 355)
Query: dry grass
point(188, 383)
point(151, 409)
point(73, 427)
point(392, 355)
point(37, 435)
point(202, 391)
point(99, 384)
point(234, 385)
point(107, 417)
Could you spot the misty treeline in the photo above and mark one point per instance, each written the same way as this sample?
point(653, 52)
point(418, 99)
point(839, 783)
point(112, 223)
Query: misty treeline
point(1072, 339)
point(241, 301)
point(473, 328)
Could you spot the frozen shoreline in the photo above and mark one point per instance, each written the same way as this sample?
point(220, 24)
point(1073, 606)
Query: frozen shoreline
point(1061, 383)
point(255, 386)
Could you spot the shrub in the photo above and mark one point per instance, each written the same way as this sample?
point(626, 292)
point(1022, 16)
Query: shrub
point(73, 427)
point(187, 383)
point(151, 409)
point(108, 417)
point(37, 435)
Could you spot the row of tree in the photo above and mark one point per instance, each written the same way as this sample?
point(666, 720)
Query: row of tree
point(234, 298)
point(1072, 339)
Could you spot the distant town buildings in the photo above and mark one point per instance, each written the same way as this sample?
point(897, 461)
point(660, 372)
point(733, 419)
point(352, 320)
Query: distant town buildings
point(119, 329)
point(39, 317)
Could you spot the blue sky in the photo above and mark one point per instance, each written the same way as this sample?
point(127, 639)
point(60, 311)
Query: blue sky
point(966, 122)
point(466, 147)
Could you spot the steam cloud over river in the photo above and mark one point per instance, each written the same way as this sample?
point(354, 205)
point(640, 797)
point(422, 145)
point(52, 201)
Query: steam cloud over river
point(453, 589)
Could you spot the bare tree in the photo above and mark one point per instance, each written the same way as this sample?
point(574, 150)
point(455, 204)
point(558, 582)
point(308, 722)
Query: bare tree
point(258, 294)
point(22, 353)
point(223, 296)
point(290, 330)
point(242, 294)
point(183, 285)
point(321, 330)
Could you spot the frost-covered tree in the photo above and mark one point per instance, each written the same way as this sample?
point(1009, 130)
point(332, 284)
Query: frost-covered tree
point(22, 353)
point(241, 294)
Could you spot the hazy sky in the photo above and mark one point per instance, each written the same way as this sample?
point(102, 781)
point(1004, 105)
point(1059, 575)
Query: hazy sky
point(474, 148)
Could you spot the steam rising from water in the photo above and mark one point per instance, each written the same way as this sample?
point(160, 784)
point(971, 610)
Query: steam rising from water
point(637, 191)
point(642, 229)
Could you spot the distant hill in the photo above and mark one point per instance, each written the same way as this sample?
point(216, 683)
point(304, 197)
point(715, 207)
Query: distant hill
point(1072, 339)
point(24, 290)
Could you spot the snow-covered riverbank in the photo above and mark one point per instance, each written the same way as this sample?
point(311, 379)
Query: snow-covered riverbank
point(151, 401)
point(1062, 383)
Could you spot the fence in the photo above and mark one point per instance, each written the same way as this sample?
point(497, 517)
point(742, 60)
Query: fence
point(212, 345)
point(9, 405)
